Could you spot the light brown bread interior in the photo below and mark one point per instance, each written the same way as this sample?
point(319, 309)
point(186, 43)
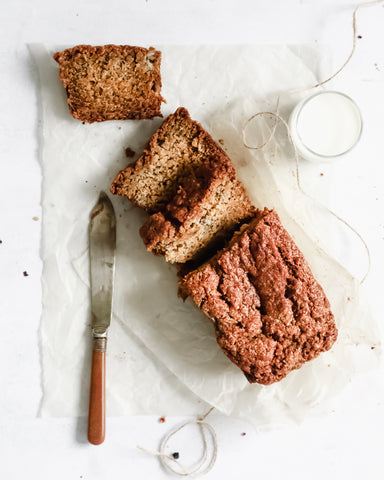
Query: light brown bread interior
point(111, 82)
point(189, 185)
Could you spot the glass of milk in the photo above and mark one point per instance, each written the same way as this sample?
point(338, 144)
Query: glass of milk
point(325, 126)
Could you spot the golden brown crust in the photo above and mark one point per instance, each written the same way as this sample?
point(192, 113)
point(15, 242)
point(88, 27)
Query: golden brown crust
point(111, 82)
point(270, 314)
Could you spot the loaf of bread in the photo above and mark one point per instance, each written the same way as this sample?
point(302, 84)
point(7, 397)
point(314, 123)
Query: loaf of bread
point(111, 82)
point(269, 312)
point(189, 185)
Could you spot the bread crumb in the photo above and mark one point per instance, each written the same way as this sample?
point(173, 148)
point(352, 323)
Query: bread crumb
point(162, 419)
point(25, 273)
point(35, 219)
point(129, 152)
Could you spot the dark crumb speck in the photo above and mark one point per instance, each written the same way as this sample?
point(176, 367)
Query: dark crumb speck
point(372, 348)
point(348, 298)
point(221, 141)
point(86, 181)
point(83, 123)
point(129, 152)
point(1, 241)
point(359, 36)
point(162, 419)
point(243, 434)
point(175, 455)
point(25, 273)
point(119, 128)
point(321, 174)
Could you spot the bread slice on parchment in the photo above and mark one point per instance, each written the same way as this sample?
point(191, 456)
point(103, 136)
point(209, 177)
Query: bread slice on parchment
point(111, 82)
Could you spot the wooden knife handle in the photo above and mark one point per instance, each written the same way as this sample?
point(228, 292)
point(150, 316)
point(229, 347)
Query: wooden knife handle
point(96, 412)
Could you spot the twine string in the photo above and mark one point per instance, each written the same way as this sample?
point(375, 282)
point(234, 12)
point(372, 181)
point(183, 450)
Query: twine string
point(277, 117)
point(202, 467)
point(319, 84)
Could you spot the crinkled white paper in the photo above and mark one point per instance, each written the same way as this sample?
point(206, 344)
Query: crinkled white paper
point(162, 353)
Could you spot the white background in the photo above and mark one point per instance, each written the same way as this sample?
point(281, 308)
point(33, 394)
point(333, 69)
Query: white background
point(346, 444)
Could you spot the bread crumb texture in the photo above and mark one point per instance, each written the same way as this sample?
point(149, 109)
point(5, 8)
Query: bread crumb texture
point(188, 184)
point(111, 82)
point(270, 314)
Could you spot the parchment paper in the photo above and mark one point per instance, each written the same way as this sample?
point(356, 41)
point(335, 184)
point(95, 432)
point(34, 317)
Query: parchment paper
point(162, 353)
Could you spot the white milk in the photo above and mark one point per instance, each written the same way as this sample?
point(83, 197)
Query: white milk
point(328, 124)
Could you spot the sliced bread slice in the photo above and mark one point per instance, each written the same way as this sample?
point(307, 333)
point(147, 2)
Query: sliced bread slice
point(111, 82)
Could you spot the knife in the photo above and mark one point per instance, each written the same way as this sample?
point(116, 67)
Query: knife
point(102, 246)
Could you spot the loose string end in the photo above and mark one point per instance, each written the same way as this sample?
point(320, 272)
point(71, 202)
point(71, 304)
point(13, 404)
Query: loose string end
point(202, 467)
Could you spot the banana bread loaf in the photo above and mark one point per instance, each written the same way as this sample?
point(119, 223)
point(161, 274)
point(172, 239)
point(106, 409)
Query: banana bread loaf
point(111, 82)
point(269, 312)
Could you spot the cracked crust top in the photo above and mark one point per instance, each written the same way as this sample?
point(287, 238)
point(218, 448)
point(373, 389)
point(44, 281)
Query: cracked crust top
point(270, 313)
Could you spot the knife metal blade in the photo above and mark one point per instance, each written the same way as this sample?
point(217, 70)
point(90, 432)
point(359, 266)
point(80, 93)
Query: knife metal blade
point(102, 247)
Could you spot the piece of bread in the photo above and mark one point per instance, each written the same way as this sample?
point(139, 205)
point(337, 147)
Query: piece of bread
point(111, 82)
point(269, 312)
point(189, 184)
point(206, 209)
point(178, 147)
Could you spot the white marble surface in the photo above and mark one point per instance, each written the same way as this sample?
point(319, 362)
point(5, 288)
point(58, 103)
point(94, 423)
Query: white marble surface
point(346, 444)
